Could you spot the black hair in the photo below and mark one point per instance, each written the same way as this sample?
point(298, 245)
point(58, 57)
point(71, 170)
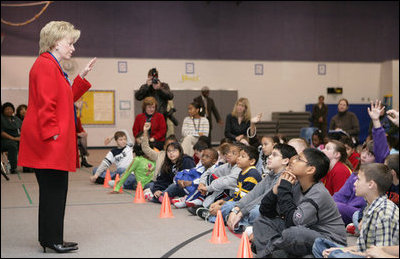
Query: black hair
point(19, 108)
point(200, 146)
point(206, 140)
point(286, 150)
point(167, 165)
point(214, 153)
point(318, 133)
point(5, 105)
point(347, 141)
point(195, 105)
point(252, 152)
point(319, 160)
point(225, 140)
point(172, 137)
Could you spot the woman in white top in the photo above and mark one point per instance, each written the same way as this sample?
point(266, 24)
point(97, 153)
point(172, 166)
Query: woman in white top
point(193, 127)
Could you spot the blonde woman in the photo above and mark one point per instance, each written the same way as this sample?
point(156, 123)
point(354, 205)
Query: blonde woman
point(48, 134)
point(239, 123)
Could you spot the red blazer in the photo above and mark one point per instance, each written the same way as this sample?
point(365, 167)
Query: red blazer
point(50, 112)
point(158, 126)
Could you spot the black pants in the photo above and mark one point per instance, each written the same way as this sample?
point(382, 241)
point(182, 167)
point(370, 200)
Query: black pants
point(53, 187)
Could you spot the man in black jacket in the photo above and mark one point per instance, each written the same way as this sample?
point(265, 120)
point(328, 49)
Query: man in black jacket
point(207, 107)
point(157, 89)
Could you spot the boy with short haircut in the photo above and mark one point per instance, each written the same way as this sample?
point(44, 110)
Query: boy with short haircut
point(244, 212)
point(380, 223)
point(298, 209)
point(221, 182)
point(122, 156)
point(246, 181)
point(188, 179)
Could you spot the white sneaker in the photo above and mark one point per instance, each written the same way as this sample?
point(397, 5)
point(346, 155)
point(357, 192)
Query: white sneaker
point(194, 203)
point(179, 203)
point(111, 183)
point(148, 195)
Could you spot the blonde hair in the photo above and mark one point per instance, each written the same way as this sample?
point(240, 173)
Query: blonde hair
point(247, 113)
point(54, 31)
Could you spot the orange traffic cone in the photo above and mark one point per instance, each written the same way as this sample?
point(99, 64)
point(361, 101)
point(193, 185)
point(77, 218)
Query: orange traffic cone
point(218, 234)
point(139, 197)
point(115, 184)
point(166, 207)
point(245, 248)
point(106, 179)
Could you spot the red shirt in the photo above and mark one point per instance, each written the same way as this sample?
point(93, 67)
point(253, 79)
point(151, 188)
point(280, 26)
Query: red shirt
point(336, 177)
point(158, 126)
point(50, 112)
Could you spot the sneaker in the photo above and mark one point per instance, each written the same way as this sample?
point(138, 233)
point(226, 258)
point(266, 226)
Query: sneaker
point(351, 229)
point(148, 195)
point(249, 230)
point(179, 203)
point(193, 203)
point(111, 183)
point(203, 213)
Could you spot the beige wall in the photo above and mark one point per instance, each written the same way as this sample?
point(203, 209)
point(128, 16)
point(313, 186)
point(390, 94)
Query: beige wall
point(284, 86)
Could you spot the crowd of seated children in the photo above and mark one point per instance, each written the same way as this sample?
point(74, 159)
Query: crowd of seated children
point(122, 156)
point(222, 182)
point(189, 179)
point(339, 168)
point(297, 210)
point(380, 223)
point(248, 178)
point(246, 210)
point(140, 170)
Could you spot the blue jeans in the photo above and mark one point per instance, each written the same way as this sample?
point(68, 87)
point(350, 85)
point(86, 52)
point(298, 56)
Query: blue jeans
point(174, 190)
point(119, 171)
point(130, 182)
point(321, 244)
point(225, 210)
point(356, 216)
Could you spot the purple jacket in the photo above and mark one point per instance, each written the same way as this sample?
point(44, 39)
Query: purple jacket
point(381, 148)
point(347, 194)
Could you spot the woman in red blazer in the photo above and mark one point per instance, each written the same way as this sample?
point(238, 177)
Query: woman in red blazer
point(158, 126)
point(48, 134)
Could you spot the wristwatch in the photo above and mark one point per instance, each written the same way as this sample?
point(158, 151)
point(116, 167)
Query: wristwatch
point(236, 210)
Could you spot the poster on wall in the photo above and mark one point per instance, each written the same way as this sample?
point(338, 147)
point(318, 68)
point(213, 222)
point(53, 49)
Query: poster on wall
point(97, 107)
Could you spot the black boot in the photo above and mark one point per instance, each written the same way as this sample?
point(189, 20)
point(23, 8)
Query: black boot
point(85, 163)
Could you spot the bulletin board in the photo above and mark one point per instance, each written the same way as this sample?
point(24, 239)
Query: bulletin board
point(97, 107)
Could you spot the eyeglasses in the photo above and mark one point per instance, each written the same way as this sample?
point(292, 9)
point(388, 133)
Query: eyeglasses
point(297, 158)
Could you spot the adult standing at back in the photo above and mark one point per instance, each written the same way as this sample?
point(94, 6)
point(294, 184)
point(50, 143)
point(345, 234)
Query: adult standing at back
point(319, 115)
point(239, 123)
point(208, 107)
point(48, 134)
point(157, 89)
point(346, 121)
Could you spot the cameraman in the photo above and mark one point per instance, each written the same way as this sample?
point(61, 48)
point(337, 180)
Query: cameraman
point(157, 89)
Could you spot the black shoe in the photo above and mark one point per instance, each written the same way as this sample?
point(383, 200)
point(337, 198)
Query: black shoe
point(59, 248)
point(99, 180)
point(85, 163)
point(70, 244)
point(203, 213)
point(13, 171)
point(27, 170)
point(192, 210)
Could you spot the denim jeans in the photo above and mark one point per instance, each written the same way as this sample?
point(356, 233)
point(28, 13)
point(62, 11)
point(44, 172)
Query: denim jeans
point(130, 182)
point(174, 190)
point(225, 210)
point(321, 244)
point(355, 220)
point(119, 171)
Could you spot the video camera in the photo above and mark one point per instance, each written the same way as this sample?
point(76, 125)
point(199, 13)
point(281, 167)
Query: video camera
point(154, 74)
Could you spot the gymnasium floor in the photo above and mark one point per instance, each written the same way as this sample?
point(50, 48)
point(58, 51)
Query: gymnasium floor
point(104, 225)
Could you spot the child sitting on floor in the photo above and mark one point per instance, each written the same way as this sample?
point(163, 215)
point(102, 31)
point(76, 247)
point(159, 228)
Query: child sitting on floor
point(188, 180)
point(246, 181)
point(122, 156)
